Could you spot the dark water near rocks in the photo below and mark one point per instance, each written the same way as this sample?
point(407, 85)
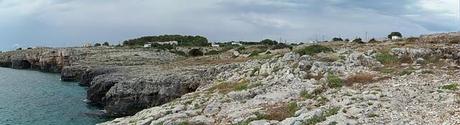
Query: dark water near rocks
point(36, 98)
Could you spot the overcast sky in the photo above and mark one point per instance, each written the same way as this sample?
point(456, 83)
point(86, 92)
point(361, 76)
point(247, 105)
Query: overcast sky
point(26, 23)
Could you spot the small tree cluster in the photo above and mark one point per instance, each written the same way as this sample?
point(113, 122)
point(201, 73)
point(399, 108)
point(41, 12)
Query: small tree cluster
point(337, 39)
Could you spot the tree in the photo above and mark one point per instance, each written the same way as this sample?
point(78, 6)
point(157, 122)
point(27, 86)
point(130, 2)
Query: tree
point(97, 44)
point(358, 40)
point(182, 40)
point(373, 41)
point(337, 39)
point(394, 34)
point(347, 40)
point(106, 44)
point(268, 42)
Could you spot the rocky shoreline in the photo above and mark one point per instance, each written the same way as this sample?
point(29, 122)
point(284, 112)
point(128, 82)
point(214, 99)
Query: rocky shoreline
point(398, 82)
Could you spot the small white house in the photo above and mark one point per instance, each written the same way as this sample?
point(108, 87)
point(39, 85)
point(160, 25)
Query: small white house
point(147, 45)
point(86, 45)
point(238, 44)
point(215, 45)
point(395, 38)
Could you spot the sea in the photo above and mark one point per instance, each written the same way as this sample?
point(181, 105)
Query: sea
point(36, 98)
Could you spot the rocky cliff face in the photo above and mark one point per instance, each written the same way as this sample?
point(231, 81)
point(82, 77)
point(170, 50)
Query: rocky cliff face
point(126, 91)
point(44, 59)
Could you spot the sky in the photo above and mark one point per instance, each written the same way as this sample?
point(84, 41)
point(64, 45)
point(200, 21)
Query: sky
point(59, 23)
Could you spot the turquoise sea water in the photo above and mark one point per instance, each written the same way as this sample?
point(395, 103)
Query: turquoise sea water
point(36, 98)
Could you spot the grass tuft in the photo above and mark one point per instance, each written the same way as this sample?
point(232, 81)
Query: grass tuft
point(452, 86)
point(334, 81)
point(314, 49)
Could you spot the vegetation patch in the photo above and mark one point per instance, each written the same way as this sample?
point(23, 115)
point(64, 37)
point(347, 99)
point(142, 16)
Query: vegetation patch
point(314, 49)
point(452, 86)
point(363, 78)
point(281, 112)
point(227, 87)
point(323, 116)
point(305, 94)
point(334, 81)
point(406, 72)
point(387, 59)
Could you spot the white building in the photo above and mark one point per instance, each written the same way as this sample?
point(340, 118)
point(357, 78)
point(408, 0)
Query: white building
point(147, 45)
point(215, 45)
point(395, 38)
point(238, 44)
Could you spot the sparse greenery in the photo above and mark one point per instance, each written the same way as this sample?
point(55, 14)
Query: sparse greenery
point(386, 58)
point(406, 72)
point(181, 53)
point(337, 39)
point(452, 86)
point(358, 40)
point(292, 108)
point(97, 44)
point(334, 81)
point(281, 112)
point(226, 87)
point(182, 40)
point(314, 49)
point(323, 116)
point(213, 52)
point(305, 94)
point(268, 42)
point(106, 44)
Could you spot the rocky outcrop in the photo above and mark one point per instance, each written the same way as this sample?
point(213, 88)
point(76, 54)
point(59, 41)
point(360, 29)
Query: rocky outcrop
point(43, 59)
point(124, 92)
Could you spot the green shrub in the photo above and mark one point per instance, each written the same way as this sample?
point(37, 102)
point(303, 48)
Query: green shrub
point(386, 58)
point(334, 81)
point(305, 94)
point(314, 49)
point(322, 117)
point(213, 52)
point(453, 87)
point(292, 108)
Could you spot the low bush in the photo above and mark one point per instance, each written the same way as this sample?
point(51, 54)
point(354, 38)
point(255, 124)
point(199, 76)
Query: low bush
point(322, 117)
point(452, 86)
point(213, 52)
point(334, 81)
point(282, 112)
point(387, 59)
point(227, 87)
point(314, 49)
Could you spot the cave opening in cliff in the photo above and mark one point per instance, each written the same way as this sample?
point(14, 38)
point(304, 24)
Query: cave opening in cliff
point(25, 64)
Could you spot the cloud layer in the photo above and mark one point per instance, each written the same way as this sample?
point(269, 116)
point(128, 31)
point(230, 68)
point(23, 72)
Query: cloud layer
point(73, 22)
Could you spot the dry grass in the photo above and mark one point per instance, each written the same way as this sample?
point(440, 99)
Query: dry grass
point(281, 112)
point(316, 77)
point(362, 78)
point(227, 87)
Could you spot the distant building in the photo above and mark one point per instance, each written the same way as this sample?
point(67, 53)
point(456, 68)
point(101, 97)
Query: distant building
point(86, 45)
point(147, 45)
point(395, 38)
point(238, 44)
point(215, 45)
